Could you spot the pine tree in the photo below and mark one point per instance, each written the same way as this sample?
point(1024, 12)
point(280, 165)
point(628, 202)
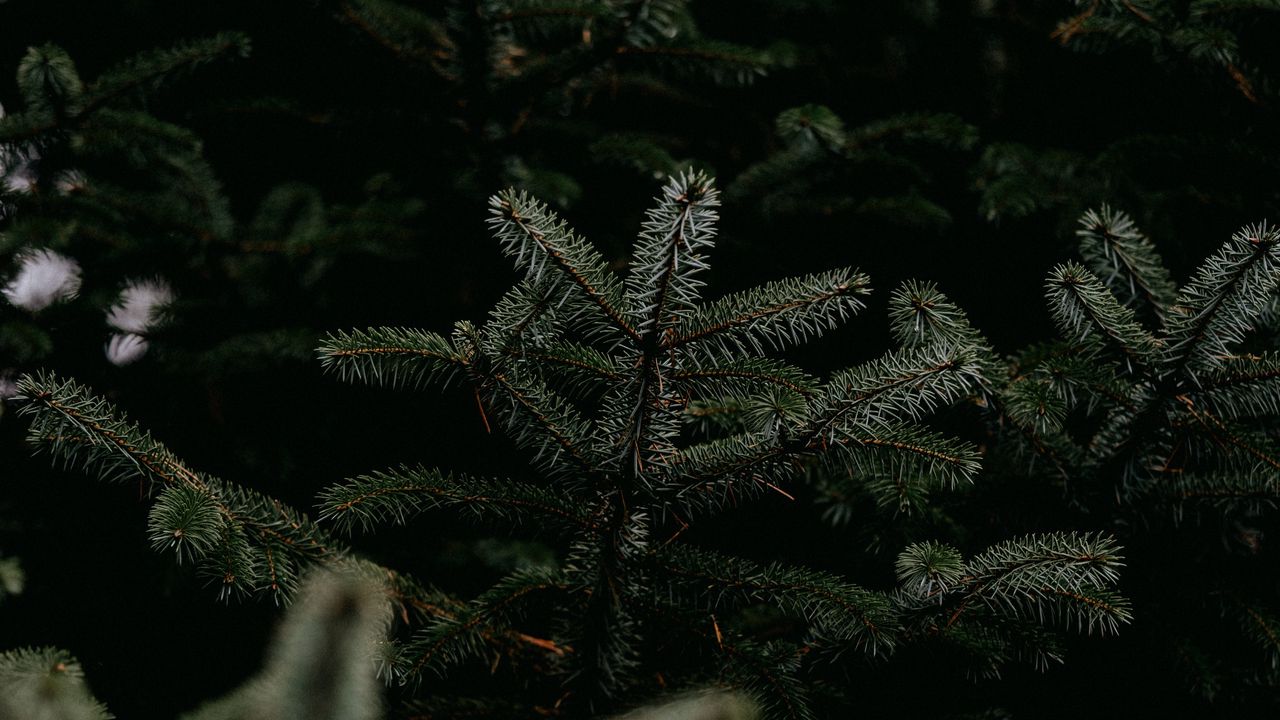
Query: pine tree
point(593, 376)
point(606, 383)
point(1161, 402)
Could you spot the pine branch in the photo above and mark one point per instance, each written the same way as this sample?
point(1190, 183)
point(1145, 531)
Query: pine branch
point(1084, 308)
point(1064, 576)
point(1249, 491)
point(579, 368)
point(745, 376)
point(50, 86)
point(921, 315)
point(714, 60)
point(769, 673)
point(1233, 441)
point(320, 662)
point(397, 495)
point(1126, 261)
point(544, 246)
point(392, 357)
point(403, 31)
point(641, 419)
point(837, 610)
point(904, 456)
point(778, 314)
point(1221, 303)
point(526, 317)
point(538, 419)
point(266, 540)
point(451, 640)
point(149, 70)
point(46, 683)
point(662, 287)
point(728, 471)
point(903, 385)
point(1245, 386)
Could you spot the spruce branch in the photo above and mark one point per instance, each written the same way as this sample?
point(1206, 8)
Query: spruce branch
point(706, 379)
point(900, 459)
point(1223, 490)
point(1063, 576)
point(580, 369)
point(837, 611)
point(452, 639)
point(147, 71)
point(269, 540)
point(905, 384)
point(543, 245)
point(392, 357)
point(46, 683)
point(49, 83)
point(1084, 308)
point(397, 495)
point(538, 419)
point(1223, 300)
point(321, 664)
point(921, 315)
point(769, 673)
point(662, 287)
point(775, 315)
point(1126, 261)
point(1231, 440)
point(1245, 386)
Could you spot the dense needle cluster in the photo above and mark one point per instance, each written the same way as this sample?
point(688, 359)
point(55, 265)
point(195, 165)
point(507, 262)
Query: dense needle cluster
point(603, 379)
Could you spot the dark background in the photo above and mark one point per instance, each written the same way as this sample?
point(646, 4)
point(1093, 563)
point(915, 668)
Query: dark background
point(154, 642)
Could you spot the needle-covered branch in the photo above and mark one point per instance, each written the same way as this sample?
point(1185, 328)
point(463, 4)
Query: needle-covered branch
point(1126, 261)
point(662, 287)
point(1085, 309)
point(545, 247)
point(1224, 300)
point(837, 610)
point(396, 496)
point(775, 315)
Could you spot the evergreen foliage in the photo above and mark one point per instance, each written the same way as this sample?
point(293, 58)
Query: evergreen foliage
point(1160, 400)
point(12, 578)
point(622, 479)
point(507, 78)
point(180, 229)
point(592, 375)
point(1206, 34)
point(879, 170)
point(108, 208)
point(45, 684)
point(321, 665)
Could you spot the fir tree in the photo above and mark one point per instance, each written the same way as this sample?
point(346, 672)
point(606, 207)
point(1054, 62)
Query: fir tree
point(604, 381)
point(592, 376)
point(1160, 402)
